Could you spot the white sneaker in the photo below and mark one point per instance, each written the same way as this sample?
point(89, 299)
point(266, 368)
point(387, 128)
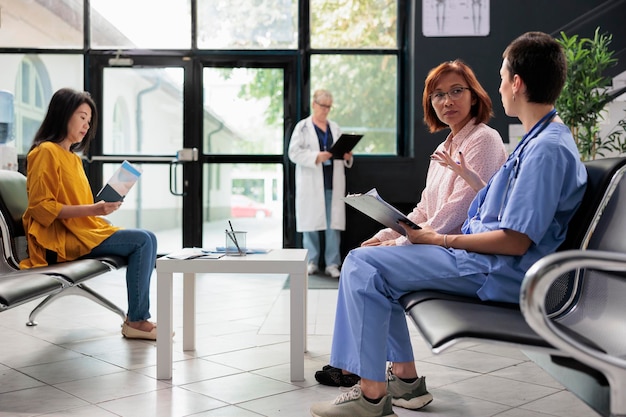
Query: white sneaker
point(408, 395)
point(333, 271)
point(312, 268)
point(351, 403)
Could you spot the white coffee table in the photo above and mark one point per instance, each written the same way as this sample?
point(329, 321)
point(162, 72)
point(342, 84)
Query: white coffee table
point(278, 261)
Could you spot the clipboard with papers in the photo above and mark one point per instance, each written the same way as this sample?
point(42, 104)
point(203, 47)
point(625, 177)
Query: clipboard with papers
point(345, 144)
point(373, 205)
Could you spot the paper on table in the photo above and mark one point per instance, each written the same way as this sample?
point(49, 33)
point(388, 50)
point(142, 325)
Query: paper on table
point(194, 253)
point(249, 251)
point(120, 183)
point(372, 204)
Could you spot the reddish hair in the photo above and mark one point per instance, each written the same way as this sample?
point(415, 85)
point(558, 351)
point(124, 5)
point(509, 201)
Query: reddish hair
point(482, 109)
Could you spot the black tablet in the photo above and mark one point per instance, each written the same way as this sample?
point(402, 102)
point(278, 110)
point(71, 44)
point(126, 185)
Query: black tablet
point(344, 144)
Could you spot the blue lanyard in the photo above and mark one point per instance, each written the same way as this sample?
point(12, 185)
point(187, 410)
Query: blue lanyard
point(517, 153)
point(532, 133)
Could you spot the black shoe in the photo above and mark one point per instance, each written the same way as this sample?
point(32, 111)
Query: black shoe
point(333, 377)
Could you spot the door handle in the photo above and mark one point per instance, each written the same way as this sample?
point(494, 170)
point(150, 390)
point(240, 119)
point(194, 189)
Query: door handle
point(182, 156)
point(174, 179)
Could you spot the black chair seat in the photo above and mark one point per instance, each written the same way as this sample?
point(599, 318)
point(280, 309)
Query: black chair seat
point(114, 261)
point(444, 319)
point(75, 272)
point(17, 288)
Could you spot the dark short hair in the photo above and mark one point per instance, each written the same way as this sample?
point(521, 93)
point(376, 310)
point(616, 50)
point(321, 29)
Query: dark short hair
point(482, 110)
point(539, 60)
point(61, 108)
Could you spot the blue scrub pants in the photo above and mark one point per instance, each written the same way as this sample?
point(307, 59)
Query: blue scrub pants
point(139, 247)
point(311, 240)
point(370, 325)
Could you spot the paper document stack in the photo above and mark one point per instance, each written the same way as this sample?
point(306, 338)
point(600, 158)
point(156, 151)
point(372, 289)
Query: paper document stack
point(372, 204)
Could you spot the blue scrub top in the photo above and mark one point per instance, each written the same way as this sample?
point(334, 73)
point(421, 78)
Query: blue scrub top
point(522, 198)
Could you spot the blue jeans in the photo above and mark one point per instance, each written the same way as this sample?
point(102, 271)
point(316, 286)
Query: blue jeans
point(311, 240)
point(139, 247)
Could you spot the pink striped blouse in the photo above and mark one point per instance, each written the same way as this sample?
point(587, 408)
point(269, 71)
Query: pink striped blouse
point(446, 197)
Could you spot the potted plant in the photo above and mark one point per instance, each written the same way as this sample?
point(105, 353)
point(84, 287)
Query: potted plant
point(586, 93)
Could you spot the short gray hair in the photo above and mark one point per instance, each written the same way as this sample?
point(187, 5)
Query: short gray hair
point(321, 93)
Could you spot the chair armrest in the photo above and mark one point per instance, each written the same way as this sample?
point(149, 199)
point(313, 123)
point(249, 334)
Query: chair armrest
point(581, 347)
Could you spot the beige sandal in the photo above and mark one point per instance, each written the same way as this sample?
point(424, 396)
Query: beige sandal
point(132, 333)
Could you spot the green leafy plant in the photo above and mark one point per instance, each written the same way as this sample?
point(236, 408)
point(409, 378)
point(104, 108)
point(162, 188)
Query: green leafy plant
point(586, 93)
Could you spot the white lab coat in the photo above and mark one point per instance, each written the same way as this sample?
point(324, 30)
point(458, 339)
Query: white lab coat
point(310, 207)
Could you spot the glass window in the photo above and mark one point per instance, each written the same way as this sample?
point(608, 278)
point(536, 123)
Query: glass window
point(243, 111)
point(250, 196)
point(247, 24)
point(150, 205)
point(368, 107)
point(143, 111)
point(354, 24)
point(31, 80)
point(42, 24)
point(142, 24)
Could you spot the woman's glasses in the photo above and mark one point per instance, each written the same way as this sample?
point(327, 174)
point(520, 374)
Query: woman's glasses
point(324, 106)
point(454, 94)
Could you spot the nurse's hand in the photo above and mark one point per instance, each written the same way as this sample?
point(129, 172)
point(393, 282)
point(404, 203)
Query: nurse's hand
point(426, 235)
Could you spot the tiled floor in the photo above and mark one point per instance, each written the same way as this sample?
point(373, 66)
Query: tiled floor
point(75, 362)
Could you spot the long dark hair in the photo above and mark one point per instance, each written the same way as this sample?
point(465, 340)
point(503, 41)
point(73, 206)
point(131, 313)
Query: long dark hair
point(61, 108)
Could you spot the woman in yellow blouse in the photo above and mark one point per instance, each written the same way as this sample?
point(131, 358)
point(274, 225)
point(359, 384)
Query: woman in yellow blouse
point(63, 223)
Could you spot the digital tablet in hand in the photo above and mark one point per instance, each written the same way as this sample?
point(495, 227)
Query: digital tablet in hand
point(344, 144)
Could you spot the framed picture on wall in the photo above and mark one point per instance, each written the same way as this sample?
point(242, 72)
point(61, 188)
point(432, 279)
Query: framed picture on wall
point(455, 18)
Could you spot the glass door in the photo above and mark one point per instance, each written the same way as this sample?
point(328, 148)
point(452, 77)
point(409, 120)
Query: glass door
point(210, 141)
point(142, 120)
point(243, 142)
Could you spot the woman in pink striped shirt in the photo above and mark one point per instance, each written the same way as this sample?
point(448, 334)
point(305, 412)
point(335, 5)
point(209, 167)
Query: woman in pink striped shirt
point(453, 98)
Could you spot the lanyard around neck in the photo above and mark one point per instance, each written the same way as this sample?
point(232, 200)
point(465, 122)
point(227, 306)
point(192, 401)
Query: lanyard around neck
point(535, 131)
point(516, 155)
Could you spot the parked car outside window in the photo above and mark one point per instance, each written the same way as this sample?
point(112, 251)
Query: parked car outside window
point(243, 206)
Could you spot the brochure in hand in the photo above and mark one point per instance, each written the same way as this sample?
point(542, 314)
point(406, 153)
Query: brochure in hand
point(120, 183)
point(345, 143)
point(372, 204)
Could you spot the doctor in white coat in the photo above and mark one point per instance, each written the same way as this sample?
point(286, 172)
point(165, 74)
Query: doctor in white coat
point(320, 184)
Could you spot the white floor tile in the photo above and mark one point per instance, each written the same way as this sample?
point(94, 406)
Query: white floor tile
point(76, 363)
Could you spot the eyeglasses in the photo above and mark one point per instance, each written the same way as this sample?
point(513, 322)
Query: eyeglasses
point(324, 106)
point(454, 94)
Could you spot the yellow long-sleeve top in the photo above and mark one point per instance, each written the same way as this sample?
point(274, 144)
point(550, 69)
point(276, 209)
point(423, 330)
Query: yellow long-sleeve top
point(56, 178)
